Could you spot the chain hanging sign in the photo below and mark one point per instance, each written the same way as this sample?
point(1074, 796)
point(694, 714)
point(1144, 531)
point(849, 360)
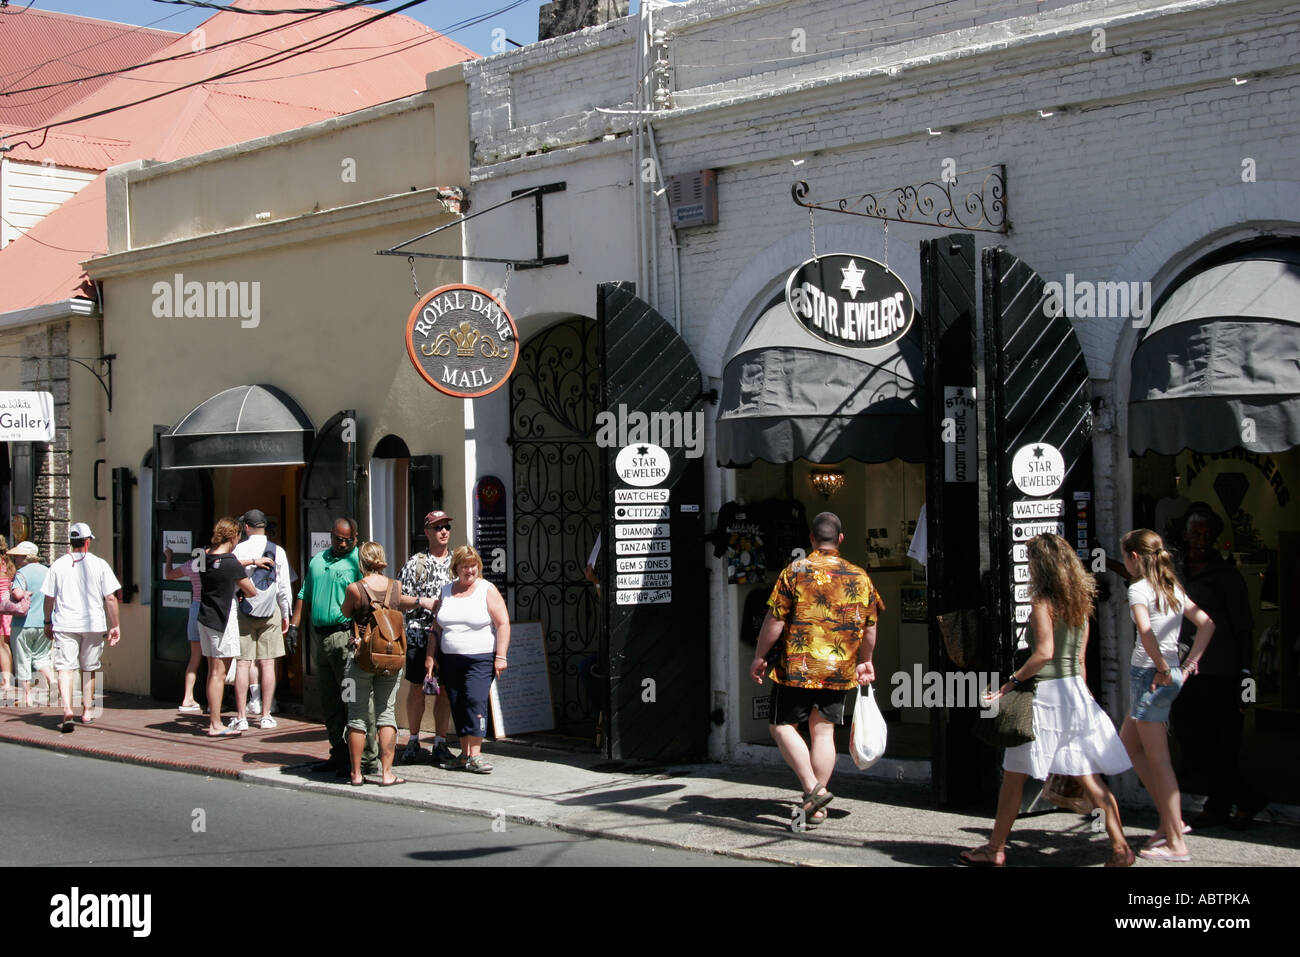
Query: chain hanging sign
point(462, 341)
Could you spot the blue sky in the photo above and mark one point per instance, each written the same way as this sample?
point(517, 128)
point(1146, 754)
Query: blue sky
point(520, 23)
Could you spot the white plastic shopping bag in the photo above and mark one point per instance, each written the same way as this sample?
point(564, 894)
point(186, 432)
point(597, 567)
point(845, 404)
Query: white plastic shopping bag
point(867, 737)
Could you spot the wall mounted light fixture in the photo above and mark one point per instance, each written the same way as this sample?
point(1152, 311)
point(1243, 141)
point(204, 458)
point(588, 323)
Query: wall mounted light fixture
point(827, 481)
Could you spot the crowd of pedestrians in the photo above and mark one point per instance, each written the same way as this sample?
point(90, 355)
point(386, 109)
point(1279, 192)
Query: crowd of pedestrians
point(816, 644)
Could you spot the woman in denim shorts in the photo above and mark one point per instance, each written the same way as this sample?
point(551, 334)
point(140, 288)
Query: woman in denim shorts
point(1158, 604)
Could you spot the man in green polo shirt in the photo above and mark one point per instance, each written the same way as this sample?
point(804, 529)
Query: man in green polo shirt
point(328, 576)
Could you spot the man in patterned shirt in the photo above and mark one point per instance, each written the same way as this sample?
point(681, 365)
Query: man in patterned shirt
point(423, 576)
point(824, 609)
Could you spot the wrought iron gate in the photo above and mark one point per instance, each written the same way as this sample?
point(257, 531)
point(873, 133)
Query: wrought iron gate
point(554, 397)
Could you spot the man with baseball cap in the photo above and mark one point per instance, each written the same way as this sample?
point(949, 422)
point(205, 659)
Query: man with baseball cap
point(80, 611)
point(263, 621)
point(423, 575)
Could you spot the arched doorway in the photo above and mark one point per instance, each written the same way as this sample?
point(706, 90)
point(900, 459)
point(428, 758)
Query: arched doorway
point(554, 398)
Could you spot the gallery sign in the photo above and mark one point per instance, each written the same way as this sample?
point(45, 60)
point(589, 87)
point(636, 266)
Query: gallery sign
point(462, 341)
point(850, 301)
point(26, 417)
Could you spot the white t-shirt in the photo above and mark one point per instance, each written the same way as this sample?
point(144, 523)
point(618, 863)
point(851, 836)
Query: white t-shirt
point(1165, 624)
point(466, 624)
point(79, 582)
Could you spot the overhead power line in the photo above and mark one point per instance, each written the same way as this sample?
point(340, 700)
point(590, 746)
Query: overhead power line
point(227, 8)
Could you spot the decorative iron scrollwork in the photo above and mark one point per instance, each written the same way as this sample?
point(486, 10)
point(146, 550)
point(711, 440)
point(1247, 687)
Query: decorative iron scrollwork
point(981, 209)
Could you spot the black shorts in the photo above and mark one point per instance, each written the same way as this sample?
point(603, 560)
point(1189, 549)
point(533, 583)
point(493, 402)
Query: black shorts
point(790, 705)
point(415, 670)
point(467, 680)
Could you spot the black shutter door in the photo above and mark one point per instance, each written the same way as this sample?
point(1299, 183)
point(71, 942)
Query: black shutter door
point(1037, 396)
point(656, 655)
point(329, 492)
point(182, 502)
point(424, 494)
point(961, 766)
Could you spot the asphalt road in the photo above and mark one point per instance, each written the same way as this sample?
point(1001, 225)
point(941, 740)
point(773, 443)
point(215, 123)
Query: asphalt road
point(62, 810)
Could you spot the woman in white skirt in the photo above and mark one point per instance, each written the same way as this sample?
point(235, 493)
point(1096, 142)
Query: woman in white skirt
point(1072, 735)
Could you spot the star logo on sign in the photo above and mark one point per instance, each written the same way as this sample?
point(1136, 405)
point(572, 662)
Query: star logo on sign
point(642, 450)
point(852, 283)
point(1038, 451)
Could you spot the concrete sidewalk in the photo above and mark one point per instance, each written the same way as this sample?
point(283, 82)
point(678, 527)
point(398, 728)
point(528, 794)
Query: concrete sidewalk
point(736, 810)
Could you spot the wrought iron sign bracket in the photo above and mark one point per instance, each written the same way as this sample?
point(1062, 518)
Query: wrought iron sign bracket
point(536, 192)
point(104, 378)
point(944, 204)
point(710, 396)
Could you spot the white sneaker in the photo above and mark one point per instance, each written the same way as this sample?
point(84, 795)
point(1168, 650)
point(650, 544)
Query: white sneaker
point(254, 699)
point(268, 722)
point(238, 724)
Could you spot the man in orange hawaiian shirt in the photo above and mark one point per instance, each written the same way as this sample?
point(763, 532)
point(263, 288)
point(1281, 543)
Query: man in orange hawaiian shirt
point(823, 607)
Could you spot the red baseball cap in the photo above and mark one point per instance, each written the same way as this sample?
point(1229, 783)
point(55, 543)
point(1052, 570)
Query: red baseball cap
point(436, 516)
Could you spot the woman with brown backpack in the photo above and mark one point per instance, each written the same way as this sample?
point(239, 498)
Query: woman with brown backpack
point(374, 669)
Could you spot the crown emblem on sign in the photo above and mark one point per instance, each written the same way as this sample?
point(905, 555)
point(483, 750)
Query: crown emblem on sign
point(464, 337)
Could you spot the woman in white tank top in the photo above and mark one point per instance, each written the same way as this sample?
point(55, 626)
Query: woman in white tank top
point(473, 635)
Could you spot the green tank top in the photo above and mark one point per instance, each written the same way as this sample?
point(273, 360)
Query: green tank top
point(1065, 652)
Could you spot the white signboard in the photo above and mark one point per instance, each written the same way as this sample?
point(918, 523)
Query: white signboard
point(642, 513)
point(1022, 613)
point(1022, 593)
point(1021, 572)
point(1024, 531)
point(26, 417)
point(175, 599)
point(642, 546)
point(644, 563)
point(647, 580)
point(642, 464)
point(660, 596)
point(1038, 468)
point(521, 697)
point(320, 541)
point(636, 496)
point(960, 451)
point(179, 543)
point(1038, 508)
point(662, 530)
point(1020, 553)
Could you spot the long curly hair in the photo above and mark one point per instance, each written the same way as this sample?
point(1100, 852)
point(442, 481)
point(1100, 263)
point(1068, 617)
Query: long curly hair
point(1057, 577)
point(1155, 563)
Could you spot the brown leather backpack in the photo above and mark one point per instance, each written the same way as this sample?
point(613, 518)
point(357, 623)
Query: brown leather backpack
point(379, 633)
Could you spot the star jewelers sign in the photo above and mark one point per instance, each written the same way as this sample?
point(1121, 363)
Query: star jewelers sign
point(462, 341)
point(850, 301)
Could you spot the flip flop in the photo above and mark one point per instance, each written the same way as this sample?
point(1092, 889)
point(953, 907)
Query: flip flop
point(1163, 853)
point(356, 784)
point(988, 857)
point(66, 726)
point(1162, 840)
point(190, 708)
point(392, 783)
point(224, 733)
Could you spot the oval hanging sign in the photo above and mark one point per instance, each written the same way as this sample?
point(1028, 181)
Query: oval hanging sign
point(642, 464)
point(462, 341)
point(850, 301)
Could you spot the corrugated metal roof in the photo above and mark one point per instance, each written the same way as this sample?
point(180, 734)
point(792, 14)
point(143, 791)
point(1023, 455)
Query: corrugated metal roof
point(383, 61)
point(64, 149)
point(41, 47)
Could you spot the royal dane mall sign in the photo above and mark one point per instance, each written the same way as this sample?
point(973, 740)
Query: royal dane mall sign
point(850, 301)
point(462, 341)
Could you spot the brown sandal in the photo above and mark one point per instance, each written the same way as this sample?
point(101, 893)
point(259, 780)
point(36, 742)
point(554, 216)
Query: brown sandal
point(983, 856)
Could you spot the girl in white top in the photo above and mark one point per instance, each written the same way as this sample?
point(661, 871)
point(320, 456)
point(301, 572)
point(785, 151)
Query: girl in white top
point(1158, 604)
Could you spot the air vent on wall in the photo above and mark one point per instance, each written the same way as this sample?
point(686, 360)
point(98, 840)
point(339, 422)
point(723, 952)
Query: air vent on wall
point(693, 198)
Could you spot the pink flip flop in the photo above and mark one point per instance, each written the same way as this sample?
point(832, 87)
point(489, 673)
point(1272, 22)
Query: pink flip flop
point(1163, 853)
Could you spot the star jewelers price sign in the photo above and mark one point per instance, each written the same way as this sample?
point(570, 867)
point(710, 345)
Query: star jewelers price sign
point(850, 301)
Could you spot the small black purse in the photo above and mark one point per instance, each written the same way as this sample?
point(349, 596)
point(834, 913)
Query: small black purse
point(1013, 723)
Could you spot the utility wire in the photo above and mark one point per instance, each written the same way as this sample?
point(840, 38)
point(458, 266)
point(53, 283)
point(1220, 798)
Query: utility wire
point(269, 60)
point(227, 8)
point(166, 59)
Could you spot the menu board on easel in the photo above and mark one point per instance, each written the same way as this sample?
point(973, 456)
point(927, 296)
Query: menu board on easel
point(521, 696)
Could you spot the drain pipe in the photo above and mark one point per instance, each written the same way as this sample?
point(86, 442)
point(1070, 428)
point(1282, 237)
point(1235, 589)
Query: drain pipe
point(675, 241)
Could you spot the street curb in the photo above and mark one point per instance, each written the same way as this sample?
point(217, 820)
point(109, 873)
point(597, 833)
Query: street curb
point(91, 752)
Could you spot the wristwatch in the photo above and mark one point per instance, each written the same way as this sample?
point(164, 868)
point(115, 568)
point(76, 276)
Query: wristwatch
point(1014, 680)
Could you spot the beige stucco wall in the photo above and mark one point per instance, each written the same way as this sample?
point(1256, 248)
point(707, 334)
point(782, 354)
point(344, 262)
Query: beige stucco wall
point(331, 315)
